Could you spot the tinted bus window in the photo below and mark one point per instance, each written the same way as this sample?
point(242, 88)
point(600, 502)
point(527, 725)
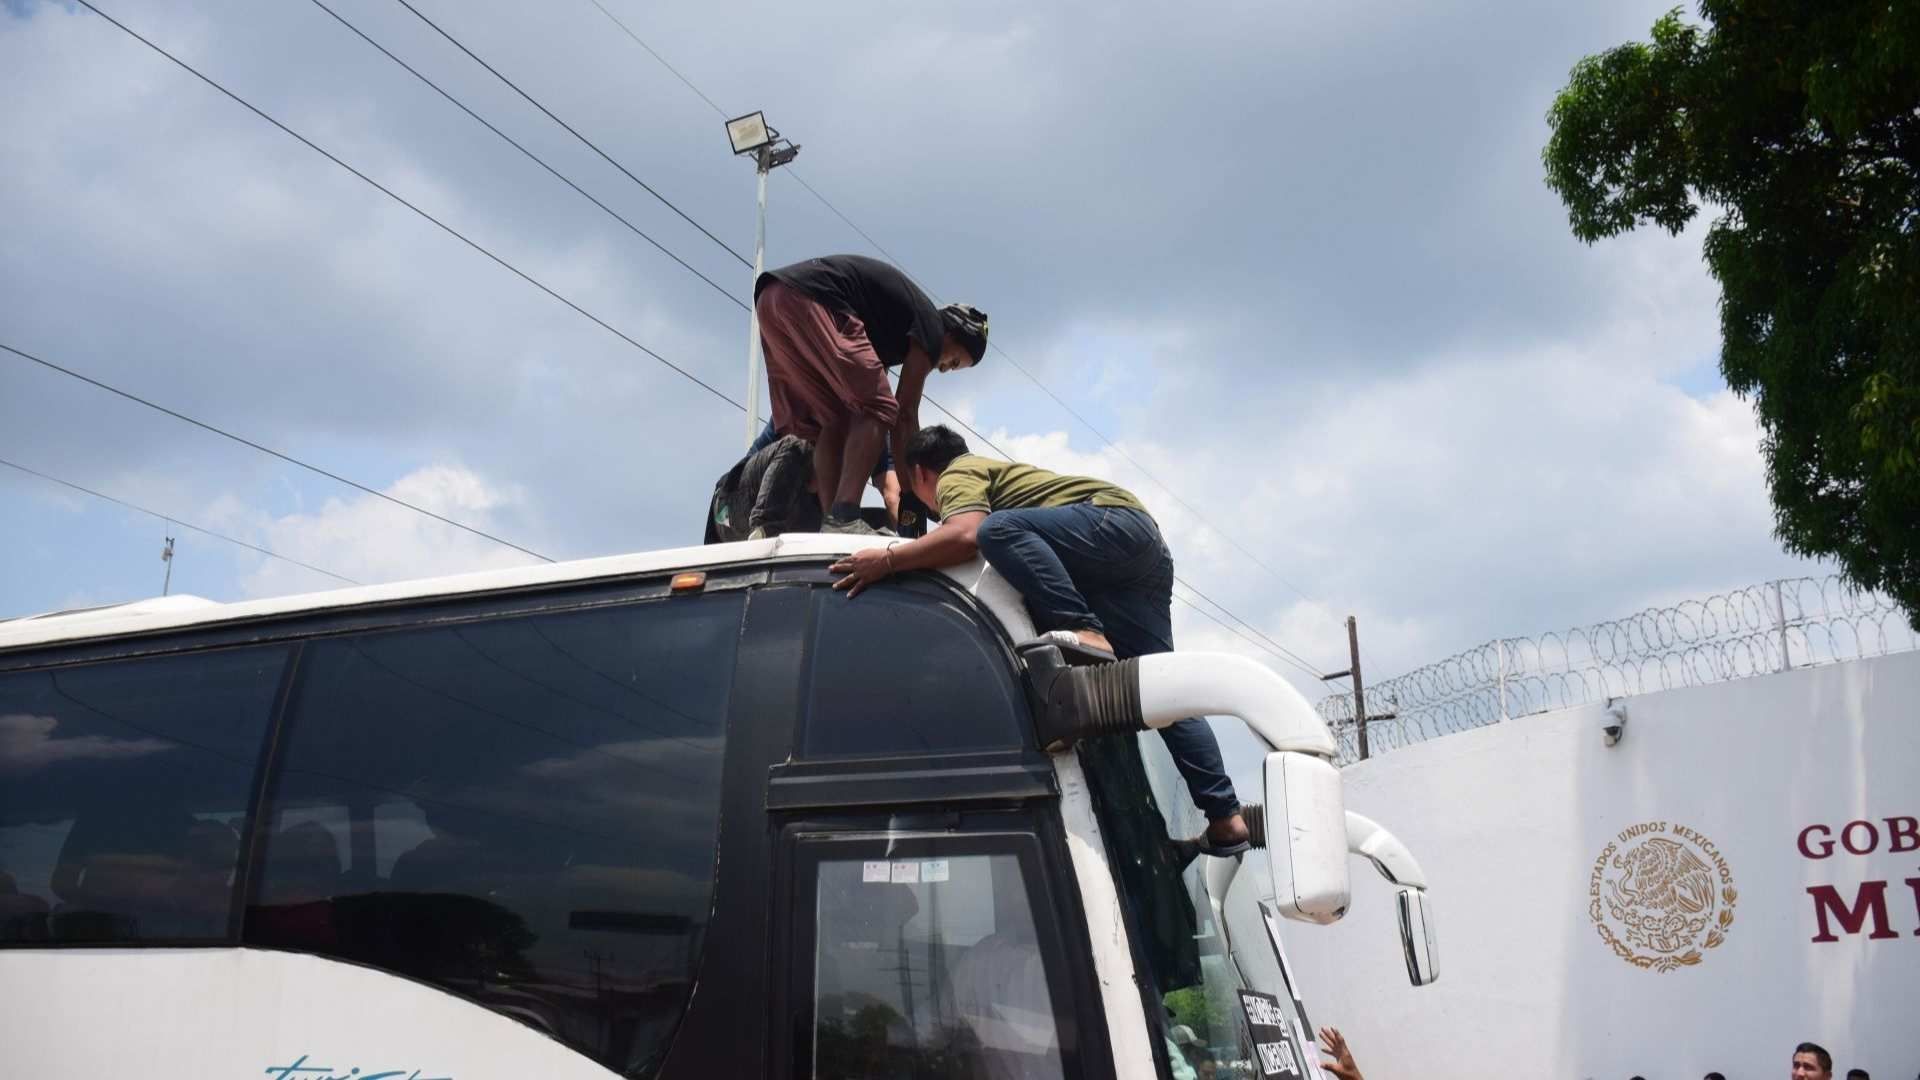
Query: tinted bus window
point(522, 811)
point(905, 670)
point(124, 788)
point(930, 967)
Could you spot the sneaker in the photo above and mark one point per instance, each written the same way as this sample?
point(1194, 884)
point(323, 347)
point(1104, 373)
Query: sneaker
point(852, 526)
point(1073, 650)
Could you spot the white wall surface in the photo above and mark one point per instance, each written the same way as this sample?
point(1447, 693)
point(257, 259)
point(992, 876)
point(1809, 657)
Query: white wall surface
point(1508, 822)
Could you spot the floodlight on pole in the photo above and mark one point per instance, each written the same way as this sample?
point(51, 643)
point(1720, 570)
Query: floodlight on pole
point(750, 134)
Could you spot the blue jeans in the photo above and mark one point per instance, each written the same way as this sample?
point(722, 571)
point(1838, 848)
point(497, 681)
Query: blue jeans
point(1106, 568)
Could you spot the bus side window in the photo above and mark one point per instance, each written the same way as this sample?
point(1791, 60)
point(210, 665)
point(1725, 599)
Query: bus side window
point(520, 810)
point(123, 794)
point(399, 829)
point(905, 670)
point(931, 965)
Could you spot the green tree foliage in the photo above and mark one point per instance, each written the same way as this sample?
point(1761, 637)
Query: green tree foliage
point(1799, 122)
point(1191, 1006)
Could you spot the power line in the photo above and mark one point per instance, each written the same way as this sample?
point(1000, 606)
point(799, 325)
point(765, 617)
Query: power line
point(388, 192)
point(176, 520)
point(1270, 646)
point(688, 83)
point(268, 450)
point(591, 145)
point(1284, 653)
point(489, 254)
point(1017, 366)
point(722, 113)
point(1142, 469)
point(1210, 617)
point(1274, 646)
point(1071, 411)
point(536, 159)
point(875, 244)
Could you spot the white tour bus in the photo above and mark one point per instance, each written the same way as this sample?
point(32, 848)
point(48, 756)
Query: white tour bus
point(689, 814)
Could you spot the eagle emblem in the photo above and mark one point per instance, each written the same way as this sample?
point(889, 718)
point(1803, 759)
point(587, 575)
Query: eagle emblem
point(1660, 895)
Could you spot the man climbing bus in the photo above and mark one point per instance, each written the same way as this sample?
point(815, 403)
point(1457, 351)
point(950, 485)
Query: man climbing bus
point(1088, 559)
point(832, 327)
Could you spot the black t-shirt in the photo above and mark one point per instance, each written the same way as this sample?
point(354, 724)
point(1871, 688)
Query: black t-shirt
point(893, 308)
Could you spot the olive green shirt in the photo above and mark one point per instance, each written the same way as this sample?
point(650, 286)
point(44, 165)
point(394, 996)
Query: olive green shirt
point(972, 482)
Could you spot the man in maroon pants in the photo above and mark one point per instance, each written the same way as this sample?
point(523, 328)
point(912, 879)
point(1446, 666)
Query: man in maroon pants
point(832, 327)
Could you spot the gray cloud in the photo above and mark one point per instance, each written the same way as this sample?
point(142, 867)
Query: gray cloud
point(1299, 260)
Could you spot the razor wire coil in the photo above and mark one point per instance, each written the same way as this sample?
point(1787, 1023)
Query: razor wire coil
point(1756, 630)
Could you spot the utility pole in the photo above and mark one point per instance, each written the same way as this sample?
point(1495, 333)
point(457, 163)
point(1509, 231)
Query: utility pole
point(1359, 688)
point(166, 556)
point(1360, 717)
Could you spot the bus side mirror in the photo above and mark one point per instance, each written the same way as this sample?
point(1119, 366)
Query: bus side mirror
point(1416, 937)
point(1306, 833)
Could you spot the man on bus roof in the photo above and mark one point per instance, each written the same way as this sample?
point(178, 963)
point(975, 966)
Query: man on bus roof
point(832, 327)
point(1088, 559)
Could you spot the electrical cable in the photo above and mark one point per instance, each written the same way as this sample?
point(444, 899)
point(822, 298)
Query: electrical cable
point(388, 192)
point(269, 451)
point(591, 145)
point(518, 272)
point(722, 113)
point(1017, 366)
point(535, 158)
point(1292, 657)
point(1272, 647)
point(1236, 633)
point(176, 520)
point(688, 83)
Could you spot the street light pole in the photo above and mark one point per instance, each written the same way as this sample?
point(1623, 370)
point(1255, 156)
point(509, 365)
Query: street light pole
point(750, 134)
point(762, 167)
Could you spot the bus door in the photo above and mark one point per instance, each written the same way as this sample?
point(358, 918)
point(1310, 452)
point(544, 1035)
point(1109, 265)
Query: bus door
point(923, 913)
point(918, 951)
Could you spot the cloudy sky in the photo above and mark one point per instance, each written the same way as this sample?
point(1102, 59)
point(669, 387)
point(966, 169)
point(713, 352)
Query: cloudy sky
point(1296, 260)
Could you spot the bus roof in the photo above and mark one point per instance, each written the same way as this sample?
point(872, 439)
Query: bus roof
point(178, 612)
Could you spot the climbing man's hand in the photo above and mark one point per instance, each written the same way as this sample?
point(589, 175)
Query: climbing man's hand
point(863, 568)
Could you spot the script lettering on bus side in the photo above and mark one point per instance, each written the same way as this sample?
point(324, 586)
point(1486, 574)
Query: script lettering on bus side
point(300, 1070)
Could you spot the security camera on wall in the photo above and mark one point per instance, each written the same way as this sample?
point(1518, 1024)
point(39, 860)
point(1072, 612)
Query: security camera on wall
point(1613, 722)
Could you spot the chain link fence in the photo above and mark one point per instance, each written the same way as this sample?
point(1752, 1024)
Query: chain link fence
point(1794, 622)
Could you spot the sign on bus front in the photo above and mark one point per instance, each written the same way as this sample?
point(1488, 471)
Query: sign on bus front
point(1274, 1053)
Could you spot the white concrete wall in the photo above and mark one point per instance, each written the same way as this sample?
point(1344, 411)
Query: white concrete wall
point(1508, 822)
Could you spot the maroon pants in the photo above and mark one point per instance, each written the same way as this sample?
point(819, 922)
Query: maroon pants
point(821, 369)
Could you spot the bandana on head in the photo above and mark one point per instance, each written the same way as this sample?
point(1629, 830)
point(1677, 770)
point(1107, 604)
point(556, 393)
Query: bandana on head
point(969, 325)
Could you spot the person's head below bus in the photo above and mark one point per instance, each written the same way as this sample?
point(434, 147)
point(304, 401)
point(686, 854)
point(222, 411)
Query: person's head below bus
point(1811, 1062)
point(1087, 558)
point(1858, 1074)
point(832, 327)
